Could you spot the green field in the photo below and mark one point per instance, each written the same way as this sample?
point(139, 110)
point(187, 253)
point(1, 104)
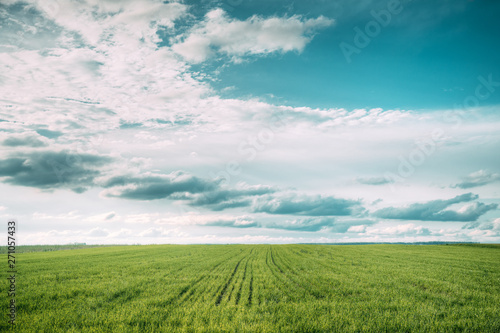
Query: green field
point(258, 288)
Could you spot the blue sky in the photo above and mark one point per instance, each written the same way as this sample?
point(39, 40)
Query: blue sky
point(425, 57)
point(250, 121)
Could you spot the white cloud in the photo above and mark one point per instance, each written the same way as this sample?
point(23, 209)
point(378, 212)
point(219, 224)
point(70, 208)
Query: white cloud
point(116, 72)
point(95, 20)
point(401, 230)
point(357, 228)
point(256, 35)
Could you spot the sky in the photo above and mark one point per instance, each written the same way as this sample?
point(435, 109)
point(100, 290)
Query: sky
point(140, 122)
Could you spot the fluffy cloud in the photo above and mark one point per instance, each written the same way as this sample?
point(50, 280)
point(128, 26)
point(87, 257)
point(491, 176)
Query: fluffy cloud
point(436, 210)
point(478, 178)
point(95, 63)
point(256, 35)
point(95, 21)
point(297, 204)
point(51, 170)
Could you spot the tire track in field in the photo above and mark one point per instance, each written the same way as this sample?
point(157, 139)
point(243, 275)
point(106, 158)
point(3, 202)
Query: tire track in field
point(273, 272)
point(233, 286)
point(195, 286)
point(286, 263)
point(238, 294)
point(250, 293)
point(286, 279)
point(250, 287)
point(224, 289)
point(196, 282)
point(272, 259)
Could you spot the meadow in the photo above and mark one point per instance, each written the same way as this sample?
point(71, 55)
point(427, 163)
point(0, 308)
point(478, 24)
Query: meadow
point(258, 288)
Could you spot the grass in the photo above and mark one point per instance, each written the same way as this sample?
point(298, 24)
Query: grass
point(259, 288)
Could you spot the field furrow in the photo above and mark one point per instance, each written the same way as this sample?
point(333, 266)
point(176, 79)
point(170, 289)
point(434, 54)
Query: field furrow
point(224, 288)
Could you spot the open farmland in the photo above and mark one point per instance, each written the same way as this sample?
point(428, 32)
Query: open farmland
point(258, 288)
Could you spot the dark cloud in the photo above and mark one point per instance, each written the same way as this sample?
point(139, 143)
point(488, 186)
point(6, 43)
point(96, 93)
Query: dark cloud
point(130, 125)
point(52, 170)
point(478, 178)
point(196, 191)
point(435, 210)
point(305, 205)
point(374, 180)
point(228, 204)
point(175, 122)
point(49, 134)
point(223, 198)
point(29, 141)
point(152, 187)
